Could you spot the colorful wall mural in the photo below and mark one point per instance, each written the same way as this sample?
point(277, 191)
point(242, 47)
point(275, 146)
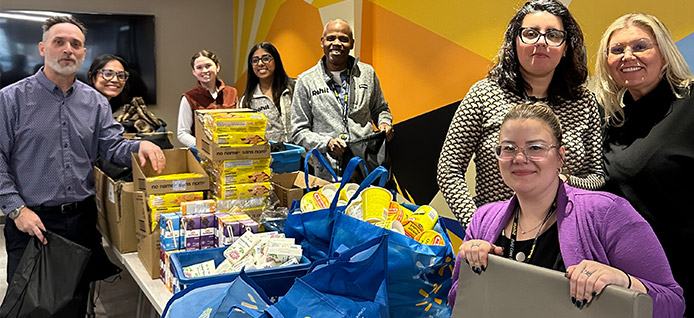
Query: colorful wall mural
point(426, 53)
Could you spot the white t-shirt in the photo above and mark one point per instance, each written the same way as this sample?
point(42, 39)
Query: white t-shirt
point(185, 122)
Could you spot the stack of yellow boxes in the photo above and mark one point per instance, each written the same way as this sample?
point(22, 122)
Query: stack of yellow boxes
point(237, 181)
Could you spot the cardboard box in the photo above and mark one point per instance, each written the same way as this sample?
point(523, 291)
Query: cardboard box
point(148, 241)
point(148, 252)
point(116, 218)
point(216, 152)
point(177, 161)
point(143, 224)
point(291, 186)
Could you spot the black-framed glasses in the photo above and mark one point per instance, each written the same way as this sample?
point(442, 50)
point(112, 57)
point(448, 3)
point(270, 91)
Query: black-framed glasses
point(552, 37)
point(109, 74)
point(537, 151)
point(636, 47)
point(265, 58)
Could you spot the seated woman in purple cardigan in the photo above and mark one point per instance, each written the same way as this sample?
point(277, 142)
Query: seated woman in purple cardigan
point(596, 238)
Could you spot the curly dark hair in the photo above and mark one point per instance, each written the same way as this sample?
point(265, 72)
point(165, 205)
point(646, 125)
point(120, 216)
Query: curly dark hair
point(571, 72)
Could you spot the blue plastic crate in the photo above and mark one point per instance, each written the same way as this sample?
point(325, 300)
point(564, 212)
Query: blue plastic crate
point(288, 160)
point(274, 281)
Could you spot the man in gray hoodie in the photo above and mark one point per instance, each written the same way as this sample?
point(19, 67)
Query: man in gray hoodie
point(337, 100)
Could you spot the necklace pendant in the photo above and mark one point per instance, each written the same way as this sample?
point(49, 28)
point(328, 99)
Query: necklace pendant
point(520, 257)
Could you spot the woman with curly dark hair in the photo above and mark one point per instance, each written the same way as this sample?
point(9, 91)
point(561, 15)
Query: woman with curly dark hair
point(543, 58)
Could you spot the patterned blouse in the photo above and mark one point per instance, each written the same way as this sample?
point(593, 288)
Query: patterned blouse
point(474, 131)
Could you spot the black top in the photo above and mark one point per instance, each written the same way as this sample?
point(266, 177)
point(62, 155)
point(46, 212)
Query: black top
point(547, 253)
point(650, 161)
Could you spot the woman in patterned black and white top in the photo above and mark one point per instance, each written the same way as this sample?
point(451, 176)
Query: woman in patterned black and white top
point(543, 57)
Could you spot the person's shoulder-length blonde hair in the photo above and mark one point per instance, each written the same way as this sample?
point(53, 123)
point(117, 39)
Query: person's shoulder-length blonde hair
point(675, 68)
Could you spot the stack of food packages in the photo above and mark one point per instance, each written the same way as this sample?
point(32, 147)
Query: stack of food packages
point(197, 226)
point(375, 205)
point(186, 222)
point(252, 251)
point(239, 183)
point(183, 231)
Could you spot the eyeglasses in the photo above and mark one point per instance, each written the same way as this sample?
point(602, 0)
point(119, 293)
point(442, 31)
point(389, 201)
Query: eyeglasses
point(535, 151)
point(265, 58)
point(552, 37)
point(109, 74)
point(639, 46)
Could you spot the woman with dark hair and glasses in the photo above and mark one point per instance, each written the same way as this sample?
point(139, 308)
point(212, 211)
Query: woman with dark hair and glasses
point(209, 93)
point(542, 58)
point(646, 88)
point(269, 90)
point(596, 238)
point(109, 75)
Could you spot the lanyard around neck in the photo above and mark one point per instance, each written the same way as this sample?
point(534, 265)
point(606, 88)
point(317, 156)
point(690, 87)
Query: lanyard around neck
point(514, 231)
point(345, 105)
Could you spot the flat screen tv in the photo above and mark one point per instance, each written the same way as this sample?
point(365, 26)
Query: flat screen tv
point(130, 36)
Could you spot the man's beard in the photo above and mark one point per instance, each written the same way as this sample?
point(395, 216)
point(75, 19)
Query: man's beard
point(53, 63)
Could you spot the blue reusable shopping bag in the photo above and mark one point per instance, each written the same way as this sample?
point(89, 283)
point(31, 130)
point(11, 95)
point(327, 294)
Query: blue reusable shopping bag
point(351, 284)
point(313, 229)
point(215, 298)
point(419, 275)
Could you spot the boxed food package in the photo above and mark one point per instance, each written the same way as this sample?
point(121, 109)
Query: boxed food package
point(191, 232)
point(241, 191)
point(171, 232)
point(233, 122)
point(216, 151)
point(178, 161)
point(208, 224)
point(238, 171)
point(166, 272)
point(167, 200)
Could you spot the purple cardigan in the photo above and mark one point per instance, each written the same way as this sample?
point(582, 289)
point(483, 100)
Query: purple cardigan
point(596, 226)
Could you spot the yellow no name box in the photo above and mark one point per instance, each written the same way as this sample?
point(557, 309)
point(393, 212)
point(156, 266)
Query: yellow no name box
point(177, 161)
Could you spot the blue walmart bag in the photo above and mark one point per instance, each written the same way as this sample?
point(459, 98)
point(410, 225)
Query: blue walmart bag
point(419, 275)
point(351, 284)
point(217, 298)
point(313, 230)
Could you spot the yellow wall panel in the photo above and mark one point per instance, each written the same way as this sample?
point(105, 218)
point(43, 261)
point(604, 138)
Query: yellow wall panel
point(475, 25)
point(324, 3)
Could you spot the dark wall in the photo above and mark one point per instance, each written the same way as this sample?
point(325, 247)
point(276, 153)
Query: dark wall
point(415, 150)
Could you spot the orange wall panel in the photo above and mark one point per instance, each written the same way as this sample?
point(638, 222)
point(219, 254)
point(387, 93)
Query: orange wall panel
point(418, 69)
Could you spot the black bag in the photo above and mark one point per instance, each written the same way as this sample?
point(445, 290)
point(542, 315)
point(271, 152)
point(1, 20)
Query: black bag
point(46, 278)
point(372, 149)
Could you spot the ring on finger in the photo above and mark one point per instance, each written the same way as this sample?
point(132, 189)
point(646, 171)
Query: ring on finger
point(588, 273)
point(475, 244)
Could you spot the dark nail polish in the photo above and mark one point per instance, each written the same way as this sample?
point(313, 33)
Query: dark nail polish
point(573, 300)
point(585, 301)
point(578, 304)
point(594, 293)
point(484, 268)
